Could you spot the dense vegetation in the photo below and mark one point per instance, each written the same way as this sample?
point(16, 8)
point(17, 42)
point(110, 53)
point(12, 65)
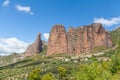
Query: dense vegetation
point(115, 36)
point(9, 59)
point(65, 67)
point(91, 69)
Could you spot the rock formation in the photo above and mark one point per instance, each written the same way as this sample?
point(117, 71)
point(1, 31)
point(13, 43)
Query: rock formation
point(77, 40)
point(57, 40)
point(34, 48)
point(84, 39)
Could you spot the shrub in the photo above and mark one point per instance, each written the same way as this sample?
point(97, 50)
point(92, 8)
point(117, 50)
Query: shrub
point(34, 75)
point(62, 72)
point(48, 76)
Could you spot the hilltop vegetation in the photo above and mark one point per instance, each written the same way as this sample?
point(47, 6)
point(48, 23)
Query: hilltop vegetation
point(64, 67)
point(14, 57)
point(116, 36)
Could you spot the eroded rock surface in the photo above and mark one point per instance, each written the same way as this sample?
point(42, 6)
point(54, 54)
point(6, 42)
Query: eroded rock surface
point(34, 48)
point(84, 39)
point(77, 40)
point(57, 40)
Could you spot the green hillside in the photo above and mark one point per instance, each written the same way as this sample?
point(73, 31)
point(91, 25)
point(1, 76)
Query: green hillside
point(116, 36)
point(64, 67)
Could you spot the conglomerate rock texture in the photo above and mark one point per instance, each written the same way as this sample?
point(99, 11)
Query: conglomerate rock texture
point(34, 48)
point(77, 40)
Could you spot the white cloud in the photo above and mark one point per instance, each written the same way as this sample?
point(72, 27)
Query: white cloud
point(46, 36)
point(26, 9)
point(6, 3)
point(108, 22)
point(11, 45)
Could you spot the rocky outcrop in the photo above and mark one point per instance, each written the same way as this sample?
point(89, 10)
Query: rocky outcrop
point(57, 40)
point(77, 40)
point(84, 39)
point(34, 48)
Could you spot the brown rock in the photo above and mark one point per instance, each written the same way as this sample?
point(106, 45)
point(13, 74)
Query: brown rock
point(34, 48)
point(77, 40)
point(84, 39)
point(57, 40)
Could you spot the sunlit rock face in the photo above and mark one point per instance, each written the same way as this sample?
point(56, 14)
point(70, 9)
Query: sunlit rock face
point(84, 39)
point(77, 40)
point(57, 40)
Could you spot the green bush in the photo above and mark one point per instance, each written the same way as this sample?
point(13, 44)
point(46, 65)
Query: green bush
point(62, 72)
point(115, 65)
point(48, 76)
point(34, 75)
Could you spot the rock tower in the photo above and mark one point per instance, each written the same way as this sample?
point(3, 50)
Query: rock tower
point(57, 40)
point(34, 48)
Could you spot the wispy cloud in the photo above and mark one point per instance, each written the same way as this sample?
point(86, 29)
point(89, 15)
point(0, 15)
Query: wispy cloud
point(11, 45)
point(6, 3)
point(26, 9)
point(46, 36)
point(108, 22)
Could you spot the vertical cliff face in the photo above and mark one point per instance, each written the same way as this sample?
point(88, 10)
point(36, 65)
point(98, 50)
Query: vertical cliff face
point(34, 48)
point(78, 40)
point(38, 43)
point(84, 39)
point(57, 40)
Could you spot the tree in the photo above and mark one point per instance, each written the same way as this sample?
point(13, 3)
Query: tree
point(93, 71)
point(34, 75)
point(115, 64)
point(62, 72)
point(48, 76)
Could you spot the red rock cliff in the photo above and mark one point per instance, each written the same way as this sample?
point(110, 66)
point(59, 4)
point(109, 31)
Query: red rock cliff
point(34, 48)
point(57, 40)
point(84, 39)
point(77, 40)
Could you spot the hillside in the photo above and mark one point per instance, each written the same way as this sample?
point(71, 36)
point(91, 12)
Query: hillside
point(64, 67)
point(116, 36)
point(14, 57)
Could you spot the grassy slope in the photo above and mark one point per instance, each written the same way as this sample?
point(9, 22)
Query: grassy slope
point(20, 70)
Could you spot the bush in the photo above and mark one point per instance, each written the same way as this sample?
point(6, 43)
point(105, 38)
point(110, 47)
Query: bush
point(34, 75)
point(48, 76)
point(62, 72)
point(115, 65)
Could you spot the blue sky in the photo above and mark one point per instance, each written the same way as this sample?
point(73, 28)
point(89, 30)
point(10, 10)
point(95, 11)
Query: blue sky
point(21, 20)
